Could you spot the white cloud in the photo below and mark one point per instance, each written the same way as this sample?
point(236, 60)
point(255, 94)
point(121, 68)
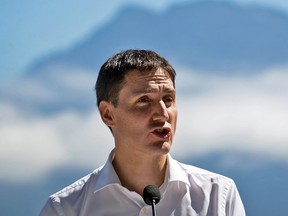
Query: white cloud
point(31, 146)
point(246, 113)
point(54, 84)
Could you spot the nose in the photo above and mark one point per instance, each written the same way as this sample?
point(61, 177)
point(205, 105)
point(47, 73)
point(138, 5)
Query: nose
point(160, 112)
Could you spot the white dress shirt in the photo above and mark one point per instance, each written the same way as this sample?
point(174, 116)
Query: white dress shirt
point(186, 191)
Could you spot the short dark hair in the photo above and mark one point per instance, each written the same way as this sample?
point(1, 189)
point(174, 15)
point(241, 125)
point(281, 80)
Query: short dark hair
point(112, 73)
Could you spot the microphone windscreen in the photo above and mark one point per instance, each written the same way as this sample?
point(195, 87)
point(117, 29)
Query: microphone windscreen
point(150, 193)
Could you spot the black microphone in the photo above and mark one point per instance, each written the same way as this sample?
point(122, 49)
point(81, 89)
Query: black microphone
point(151, 196)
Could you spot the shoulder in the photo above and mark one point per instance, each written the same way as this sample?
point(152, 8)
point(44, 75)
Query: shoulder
point(203, 183)
point(87, 181)
point(74, 193)
point(204, 180)
point(198, 174)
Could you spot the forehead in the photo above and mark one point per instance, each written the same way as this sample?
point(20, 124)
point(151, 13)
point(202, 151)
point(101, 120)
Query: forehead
point(155, 76)
point(148, 80)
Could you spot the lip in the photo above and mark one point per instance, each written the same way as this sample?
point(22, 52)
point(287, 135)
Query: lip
point(162, 135)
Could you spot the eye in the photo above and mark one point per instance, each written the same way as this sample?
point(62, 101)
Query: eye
point(168, 100)
point(144, 100)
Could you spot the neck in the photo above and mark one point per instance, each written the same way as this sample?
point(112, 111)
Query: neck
point(136, 171)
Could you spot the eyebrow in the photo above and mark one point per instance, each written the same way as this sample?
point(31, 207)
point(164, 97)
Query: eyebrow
point(148, 90)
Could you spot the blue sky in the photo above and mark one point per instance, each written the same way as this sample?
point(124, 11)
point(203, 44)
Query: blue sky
point(249, 112)
point(30, 29)
point(240, 113)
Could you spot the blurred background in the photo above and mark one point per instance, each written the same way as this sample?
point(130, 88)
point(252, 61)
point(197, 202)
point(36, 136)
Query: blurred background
point(231, 59)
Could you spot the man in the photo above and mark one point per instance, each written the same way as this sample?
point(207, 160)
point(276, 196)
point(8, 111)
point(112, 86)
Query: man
point(136, 100)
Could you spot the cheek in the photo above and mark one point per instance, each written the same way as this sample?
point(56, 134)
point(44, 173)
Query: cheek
point(173, 117)
point(140, 116)
point(131, 120)
point(173, 114)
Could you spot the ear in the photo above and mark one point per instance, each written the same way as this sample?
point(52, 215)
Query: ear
point(106, 113)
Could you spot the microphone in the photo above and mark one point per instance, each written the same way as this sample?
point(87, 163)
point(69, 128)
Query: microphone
point(151, 196)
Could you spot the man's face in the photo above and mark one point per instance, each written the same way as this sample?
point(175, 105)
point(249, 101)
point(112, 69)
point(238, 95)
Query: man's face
point(146, 115)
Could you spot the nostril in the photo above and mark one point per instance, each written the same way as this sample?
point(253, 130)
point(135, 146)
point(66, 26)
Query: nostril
point(161, 117)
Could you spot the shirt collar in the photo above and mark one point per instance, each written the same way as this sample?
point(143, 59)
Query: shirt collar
point(108, 176)
point(175, 172)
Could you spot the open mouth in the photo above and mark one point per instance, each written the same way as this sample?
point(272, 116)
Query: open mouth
point(162, 132)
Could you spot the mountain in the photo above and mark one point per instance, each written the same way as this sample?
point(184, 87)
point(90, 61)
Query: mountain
point(261, 182)
point(205, 36)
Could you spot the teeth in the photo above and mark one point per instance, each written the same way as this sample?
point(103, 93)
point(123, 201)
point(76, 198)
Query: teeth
point(161, 131)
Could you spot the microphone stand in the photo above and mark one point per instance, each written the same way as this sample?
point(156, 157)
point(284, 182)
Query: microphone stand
point(151, 196)
point(153, 207)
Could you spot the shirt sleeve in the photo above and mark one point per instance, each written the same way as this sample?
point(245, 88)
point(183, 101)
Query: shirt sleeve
point(52, 208)
point(234, 205)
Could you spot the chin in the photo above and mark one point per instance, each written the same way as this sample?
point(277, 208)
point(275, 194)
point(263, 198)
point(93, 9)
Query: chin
point(162, 147)
point(167, 147)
